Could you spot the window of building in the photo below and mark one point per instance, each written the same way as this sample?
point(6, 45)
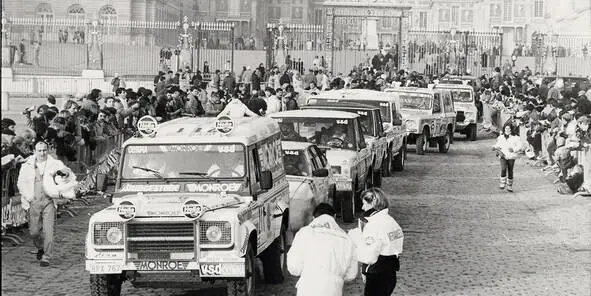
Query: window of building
point(297, 13)
point(519, 10)
point(318, 17)
point(76, 12)
point(467, 16)
point(386, 22)
point(108, 14)
point(274, 13)
point(444, 15)
point(44, 11)
point(455, 16)
point(539, 8)
point(495, 10)
point(507, 10)
point(423, 20)
point(519, 35)
point(222, 5)
point(245, 5)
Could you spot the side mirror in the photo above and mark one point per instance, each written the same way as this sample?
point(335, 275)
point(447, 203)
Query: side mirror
point(323, 172)
point(397, 121)
point(266, 180)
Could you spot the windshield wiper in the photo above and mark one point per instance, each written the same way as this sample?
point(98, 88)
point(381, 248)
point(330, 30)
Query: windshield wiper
point(153, 171)
point(200, 174)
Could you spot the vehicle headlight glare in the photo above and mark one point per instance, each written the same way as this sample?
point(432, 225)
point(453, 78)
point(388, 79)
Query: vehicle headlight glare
point(114, 235)
point(213, 233)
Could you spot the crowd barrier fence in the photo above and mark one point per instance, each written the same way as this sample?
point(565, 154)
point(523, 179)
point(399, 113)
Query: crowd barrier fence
point(13, 215)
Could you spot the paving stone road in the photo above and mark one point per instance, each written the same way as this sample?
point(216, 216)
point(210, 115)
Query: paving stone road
point(463, 236)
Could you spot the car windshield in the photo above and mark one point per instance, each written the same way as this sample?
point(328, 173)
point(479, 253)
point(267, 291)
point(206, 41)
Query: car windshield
point(461, 96)
point(415, 101)
point(365, 119)
point(385, 111)
point(173, 161)
point(331, 132)
point(295, 163)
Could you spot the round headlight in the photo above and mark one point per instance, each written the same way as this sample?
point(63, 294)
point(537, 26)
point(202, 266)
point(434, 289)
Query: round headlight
point(213, 233)
point(114, 235)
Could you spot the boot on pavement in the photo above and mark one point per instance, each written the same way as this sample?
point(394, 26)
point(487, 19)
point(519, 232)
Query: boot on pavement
point(510, 185)
point(503, 182)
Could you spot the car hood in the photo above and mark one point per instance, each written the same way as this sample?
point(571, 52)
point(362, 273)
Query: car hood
point(172, 205)
point(341, 157)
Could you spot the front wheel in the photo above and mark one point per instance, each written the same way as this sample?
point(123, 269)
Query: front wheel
point(400, 159)
point(347, 201)
point(387, 164)
point(422, 142)
point(472, 132)
point(274, 260)
point(105, 285)
point(445, 142)
point(244, 286)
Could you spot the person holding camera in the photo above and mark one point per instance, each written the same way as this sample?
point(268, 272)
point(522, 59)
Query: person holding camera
point(378, 241)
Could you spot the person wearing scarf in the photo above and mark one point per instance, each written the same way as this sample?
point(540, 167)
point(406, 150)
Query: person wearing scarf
point(508, 147)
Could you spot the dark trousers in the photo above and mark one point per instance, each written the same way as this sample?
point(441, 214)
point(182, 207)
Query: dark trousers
point(507, 167)
point(380, 284)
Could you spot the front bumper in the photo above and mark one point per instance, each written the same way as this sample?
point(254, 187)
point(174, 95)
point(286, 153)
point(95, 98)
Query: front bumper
point(205, 269)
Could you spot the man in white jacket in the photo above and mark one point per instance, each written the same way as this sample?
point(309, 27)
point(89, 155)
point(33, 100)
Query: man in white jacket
point(322, 255)
point(41, 208)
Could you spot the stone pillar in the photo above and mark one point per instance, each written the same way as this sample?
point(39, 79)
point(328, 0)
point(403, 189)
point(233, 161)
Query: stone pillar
point(370, 33)
point(94, 67)
point(6, 52)
point(329, 38)
point(403, 48)
point(186, 46)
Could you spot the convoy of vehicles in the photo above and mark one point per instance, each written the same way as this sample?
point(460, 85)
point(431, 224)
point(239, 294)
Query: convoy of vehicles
point(371, 126)
point(465, 106)
point(200, 199)
point(196, 200)
point(340, 133)
point(392, 123)
point(429, 116)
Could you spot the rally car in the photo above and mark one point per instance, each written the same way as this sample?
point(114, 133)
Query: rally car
point(392, 124)
point(465, 107)
point(197, 200)
point(310, 181)
point(349, 157)
point(429, 116)
point(371, 126)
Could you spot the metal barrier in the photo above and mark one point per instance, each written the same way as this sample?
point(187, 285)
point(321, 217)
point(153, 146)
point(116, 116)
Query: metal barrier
point(14, 216)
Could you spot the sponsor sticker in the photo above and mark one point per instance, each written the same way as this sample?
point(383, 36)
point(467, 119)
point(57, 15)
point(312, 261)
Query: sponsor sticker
point(147, 125)
point(126, 210)
point(343, 121)
point(193, 209)
point(221, 269)
point(151, 188)
point(213, 187)
point(291, 152)
point(161, 265)
point(224, 124)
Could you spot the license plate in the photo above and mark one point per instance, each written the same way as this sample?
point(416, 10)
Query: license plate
point(104, 267)
point(344, 186)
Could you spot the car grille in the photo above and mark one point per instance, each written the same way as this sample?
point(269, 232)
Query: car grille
point(159, 240)
point(460, 117)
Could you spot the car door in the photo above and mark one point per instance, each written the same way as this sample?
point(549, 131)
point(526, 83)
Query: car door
point(330, 181)
point(320, 184)
point(438, 115)
point(364, 153)
point(448, 106)
point(382, 141)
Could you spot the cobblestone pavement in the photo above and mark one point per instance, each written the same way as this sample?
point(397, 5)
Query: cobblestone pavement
point(463, 236)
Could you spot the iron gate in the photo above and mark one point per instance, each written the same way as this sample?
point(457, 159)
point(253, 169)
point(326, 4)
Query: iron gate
point(302, 44)
point(472, 53)
point(214, 46)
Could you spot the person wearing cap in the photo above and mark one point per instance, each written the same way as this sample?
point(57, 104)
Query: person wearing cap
point(8, 131)
point(508, 147)
point(322, 255)
point(379, 241)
